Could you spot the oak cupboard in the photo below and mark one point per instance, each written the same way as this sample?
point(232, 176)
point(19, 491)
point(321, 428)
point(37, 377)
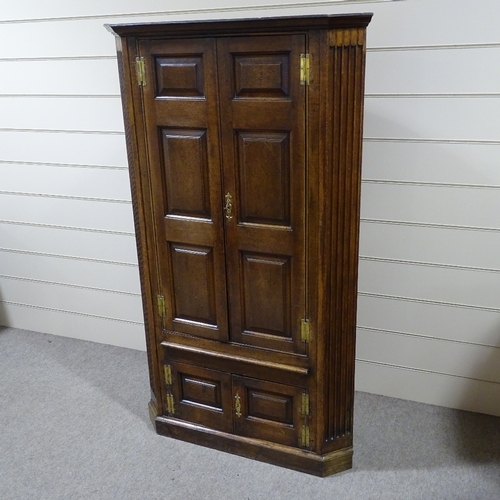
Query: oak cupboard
point(244, 145)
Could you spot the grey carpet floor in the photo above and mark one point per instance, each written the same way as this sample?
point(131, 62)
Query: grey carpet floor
point(75, 425)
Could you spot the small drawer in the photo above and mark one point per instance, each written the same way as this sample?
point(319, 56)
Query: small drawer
point(267, 410)
point(200, 395)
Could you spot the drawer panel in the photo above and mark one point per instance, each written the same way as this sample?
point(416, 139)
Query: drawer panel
point(201, 391)
point(251, 405)
point(267, 410)
point(201, 395)
point(270, 406)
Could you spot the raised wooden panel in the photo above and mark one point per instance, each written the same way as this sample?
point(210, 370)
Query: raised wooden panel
point(266, 294)
point(193, 283)
point(264, 177)
point(179, 76)
point(261, 75)
point(200, 395)
point(185, 162)
point(201, 391)
point(270, 406)
point(267, 410)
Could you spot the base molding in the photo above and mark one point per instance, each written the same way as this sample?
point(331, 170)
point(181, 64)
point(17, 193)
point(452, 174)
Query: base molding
point(256, 449)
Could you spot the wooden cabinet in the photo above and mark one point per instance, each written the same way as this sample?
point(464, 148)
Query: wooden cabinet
point(244, 143)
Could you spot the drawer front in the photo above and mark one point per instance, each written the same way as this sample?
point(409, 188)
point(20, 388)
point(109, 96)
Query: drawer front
point(267, 410)
point(201, 395)
point(247, 406)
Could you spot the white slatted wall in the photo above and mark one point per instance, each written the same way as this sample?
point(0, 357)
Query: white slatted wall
point(429, 299)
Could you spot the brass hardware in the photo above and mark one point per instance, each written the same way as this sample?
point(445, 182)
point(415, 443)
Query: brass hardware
point(237, 405)
point(305, 69)
point(305, 403)
point(168, 374)
point(161, 309)
point(140, 69)
point(305, 331)
point(305, 441)
point(170, 404)
point(305, 410)
point(228, 207)
point(161, 306)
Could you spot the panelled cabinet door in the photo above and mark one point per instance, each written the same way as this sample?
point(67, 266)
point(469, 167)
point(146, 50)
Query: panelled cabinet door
point(259, 212)
point(181, 111)
point(232, 403)
point(267, 410)
point(263, 143)
point(200, 395)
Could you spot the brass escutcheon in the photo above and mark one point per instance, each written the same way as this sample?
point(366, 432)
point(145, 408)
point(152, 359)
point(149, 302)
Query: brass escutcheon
point(237, 405)
point(228, 207)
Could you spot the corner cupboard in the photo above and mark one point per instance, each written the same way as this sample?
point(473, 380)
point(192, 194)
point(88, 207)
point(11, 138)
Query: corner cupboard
point(244, 144)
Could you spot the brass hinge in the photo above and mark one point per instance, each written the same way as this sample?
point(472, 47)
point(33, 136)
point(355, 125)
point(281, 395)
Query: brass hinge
point(305, 331)
point(305, 69)
point(168, 374)
point(170, 404)
point(161, 306)
point(304, 440)
point(140, 68)
point(305, 403)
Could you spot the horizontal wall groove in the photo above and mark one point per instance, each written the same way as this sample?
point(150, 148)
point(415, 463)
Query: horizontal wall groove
point(430, 184)
point(451, 95)
point(439, 46)
point(425, 337)
point(68, 285)
point(421, 370)
point(207, 10)
point(65, 311)
point(61, 165)
point(70, 257)
point(56, 58)
point(67, 228)
point(61, 96)
point(428, 301)
point(66, 197)
point(430, 225)
point(60, 131)
point(415, 140)
point(429, 264)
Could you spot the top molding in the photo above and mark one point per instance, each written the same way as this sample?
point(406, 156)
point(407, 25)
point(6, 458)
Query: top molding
point(239, 26)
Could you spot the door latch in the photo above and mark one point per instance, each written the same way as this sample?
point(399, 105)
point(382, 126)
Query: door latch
point(228, 207)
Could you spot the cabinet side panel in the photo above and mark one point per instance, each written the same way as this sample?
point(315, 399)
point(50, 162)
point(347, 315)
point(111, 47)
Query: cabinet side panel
point(346, 89)
point(132, 112)
point(317, 220)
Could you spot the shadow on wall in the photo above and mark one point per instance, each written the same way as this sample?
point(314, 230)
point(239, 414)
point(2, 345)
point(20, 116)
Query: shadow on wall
point(402, 434)
point(394, 434)
point(4, 315)
point(477, 436)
